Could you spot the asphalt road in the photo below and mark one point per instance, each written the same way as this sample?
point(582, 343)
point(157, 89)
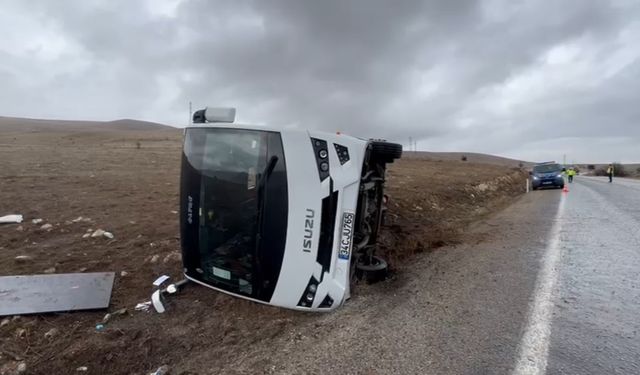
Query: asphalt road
point(596, 321)
point(549, 285)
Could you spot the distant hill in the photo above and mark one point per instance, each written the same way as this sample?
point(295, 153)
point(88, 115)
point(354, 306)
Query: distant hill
point(472, 157)
point(20, 125)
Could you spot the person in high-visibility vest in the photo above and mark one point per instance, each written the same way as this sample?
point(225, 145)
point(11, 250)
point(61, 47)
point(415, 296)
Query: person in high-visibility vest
point(570, 173)
point(610, 172)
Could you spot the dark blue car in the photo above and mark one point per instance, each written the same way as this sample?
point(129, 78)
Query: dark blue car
point(547, 175)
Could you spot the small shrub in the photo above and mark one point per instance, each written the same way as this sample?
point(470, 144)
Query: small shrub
point(138, 145)
point(600, 171)
point(591, 167)
point(520, 165)
point(464, 158)
point(618, 170)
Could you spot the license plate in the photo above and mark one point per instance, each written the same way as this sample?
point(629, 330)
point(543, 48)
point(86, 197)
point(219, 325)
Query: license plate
point(547, 183)
point(346, 235)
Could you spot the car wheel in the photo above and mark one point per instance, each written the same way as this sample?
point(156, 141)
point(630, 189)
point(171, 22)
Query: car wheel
point(373, 271)
point(386, 151)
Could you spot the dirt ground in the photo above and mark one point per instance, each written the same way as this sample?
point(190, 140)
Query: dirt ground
point(126, 182)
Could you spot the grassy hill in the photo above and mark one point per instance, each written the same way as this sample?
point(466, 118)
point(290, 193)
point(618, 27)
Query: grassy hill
point(27, 125)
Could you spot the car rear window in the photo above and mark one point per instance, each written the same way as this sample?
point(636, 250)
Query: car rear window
point(546, 168)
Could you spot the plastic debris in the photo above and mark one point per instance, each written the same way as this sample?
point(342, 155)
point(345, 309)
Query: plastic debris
point(50, 270)
point(36, 221)
point(98, 233)
point(121, 311)
point(162, 370)
point(108, 235)
point(124, 273)
point(11, 219)
point(106, 318)
point(82, 369)
point(160, 280)
point(154, 258)
point(23, 258)
point(22, 368)
point(21, 332)
point(156, 298)
point(143, 306)
point(51, 333)
point(46, 226)
point(99, 327)
point(86, 235)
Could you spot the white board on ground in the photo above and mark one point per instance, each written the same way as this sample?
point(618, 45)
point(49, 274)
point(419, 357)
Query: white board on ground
point(31, 294)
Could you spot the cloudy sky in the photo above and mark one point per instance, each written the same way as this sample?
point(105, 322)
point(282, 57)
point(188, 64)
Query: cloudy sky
point(520, 78)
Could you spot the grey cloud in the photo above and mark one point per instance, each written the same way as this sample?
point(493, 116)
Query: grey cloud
point(431, 70)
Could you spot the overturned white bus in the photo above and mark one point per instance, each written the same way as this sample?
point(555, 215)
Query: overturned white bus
point(280, 216)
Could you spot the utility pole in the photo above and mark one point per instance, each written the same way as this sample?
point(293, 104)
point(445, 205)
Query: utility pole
point(410, 143)
point(564, 159)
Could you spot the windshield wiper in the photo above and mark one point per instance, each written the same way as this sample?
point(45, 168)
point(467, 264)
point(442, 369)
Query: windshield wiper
point(268, 169)
point(262, 198)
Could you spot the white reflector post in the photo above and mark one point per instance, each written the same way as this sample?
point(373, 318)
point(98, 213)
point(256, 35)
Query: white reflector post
point(220, 114)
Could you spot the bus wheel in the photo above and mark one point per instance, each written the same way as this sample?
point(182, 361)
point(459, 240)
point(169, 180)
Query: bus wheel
point(372, 270)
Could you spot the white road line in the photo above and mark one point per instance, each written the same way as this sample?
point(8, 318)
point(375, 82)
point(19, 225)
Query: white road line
point(534, 347)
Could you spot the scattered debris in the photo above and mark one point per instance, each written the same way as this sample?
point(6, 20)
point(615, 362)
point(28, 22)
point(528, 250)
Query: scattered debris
point(19, 228)
point(174, 256)
point(28, 294)
point(36, 221)
point(121, 311)
point(86, 235)
point(109, 235)
point(50, 270)
point(51, 333)
point(22, 368)
point(21, 333)
point(46, 226)
point(77, 220)
point(157, 297)
point(154, 258)
point(124, 273)
point(174, 212)
point(5, 322)
point(82, 369)
point(98, 233)
point(160, 280)
point(106, 318)
point(162, 370)
point(11, 219)
point(143, 306)
point(81, 270)
point(23, 258)
point(111, 315)
point(99, 327)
